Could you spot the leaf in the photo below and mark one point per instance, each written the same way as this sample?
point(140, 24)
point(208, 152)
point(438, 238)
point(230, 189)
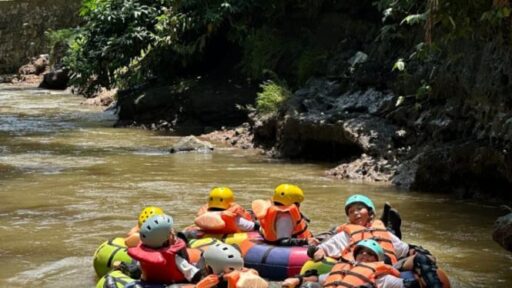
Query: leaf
point(399, 65)
point(414, 19)
point(399, 101)
point(505, 11)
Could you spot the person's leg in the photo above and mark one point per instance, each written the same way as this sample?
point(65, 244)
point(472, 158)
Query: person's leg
point(427, 269)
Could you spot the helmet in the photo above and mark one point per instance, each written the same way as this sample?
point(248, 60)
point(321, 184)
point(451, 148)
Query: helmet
point(156, 230)
point(372, 245)
point(223, 256)
point(358, 198)
point(288, 194)
point(220, 197)
point(148, 212)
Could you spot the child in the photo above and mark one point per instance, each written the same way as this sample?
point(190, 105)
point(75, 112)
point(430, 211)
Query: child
point(222, 215)
point(162, 257)
point(367, 270)
point(281, 221)
point(363, 225)
point(225, 264)
point(133, 237)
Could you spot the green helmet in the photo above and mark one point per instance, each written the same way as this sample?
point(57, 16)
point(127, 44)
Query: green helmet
point(358, 198)
point(223, 256)
point(155, 231)
point(372, 245)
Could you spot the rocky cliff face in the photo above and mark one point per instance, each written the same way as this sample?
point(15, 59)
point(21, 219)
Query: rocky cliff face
point(456, 140)
point(22, 27)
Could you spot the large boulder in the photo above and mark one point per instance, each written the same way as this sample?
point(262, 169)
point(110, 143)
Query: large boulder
point(55, 79)
point(503, 231)
point(191, 143)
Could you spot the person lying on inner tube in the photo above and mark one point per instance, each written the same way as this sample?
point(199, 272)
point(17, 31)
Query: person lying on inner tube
point(222, 215)
point(133, 237)
point(366, 270)
point(162, 256)
point(281, 221)
point(363, 225)
point(224, 267)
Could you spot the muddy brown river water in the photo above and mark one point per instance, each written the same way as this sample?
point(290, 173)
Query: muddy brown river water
point(69, 181)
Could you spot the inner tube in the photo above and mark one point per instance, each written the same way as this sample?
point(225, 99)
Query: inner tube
point(312, 267)
point(274, 262)
point(107, 253)
point(118, 279)
point(193, 233)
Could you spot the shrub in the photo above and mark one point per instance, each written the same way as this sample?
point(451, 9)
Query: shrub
point(272, 97)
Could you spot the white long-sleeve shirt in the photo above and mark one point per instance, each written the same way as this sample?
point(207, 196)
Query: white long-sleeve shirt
point(185, 267)
point(334, 246)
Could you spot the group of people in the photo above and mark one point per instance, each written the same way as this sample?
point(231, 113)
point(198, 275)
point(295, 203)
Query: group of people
point(369, 253)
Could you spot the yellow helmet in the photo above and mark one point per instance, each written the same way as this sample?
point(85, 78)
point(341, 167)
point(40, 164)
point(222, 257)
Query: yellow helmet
point(220, 197)
point(288, 194)
point(149, 212)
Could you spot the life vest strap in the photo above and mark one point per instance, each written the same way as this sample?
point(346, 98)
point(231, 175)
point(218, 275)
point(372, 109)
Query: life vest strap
point(369, 229)
point(340, 283)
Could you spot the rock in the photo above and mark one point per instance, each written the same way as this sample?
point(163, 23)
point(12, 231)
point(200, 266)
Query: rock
point(191, 143)
point(56, 79)
point(27, 69)
point(503, 231)
point(7, 78)
point(41, 63)
point(36, 66)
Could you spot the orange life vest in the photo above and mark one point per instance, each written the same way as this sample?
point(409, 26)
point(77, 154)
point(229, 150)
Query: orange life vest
point(376, 231)
point(229, 217)
point(353, 274)
point(232, 278)
point(159, 265)
point(269, 218)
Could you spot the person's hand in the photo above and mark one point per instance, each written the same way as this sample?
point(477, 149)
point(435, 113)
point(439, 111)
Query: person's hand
point(319, 255)
point(313, 241)
point(290, 283)
point(209, 281)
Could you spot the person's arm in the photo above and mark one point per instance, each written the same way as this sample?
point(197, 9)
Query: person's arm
point(401, 248)
point(334, 246)
point(244, 224)
point(190, 271)
point(389, 281)
point(284, 229)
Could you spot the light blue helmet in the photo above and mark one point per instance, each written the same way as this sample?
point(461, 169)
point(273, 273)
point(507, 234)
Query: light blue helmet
point(372, 245)
point(155, 232)
point(358, 198)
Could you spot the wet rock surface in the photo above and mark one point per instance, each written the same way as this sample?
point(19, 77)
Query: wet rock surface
point(502, 233)
point(191, 143)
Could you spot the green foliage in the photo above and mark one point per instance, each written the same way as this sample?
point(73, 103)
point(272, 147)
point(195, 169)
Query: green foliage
point(58, 36)
point(263, 50)
point(272, 97)
point(309, 63)
point(123, 43)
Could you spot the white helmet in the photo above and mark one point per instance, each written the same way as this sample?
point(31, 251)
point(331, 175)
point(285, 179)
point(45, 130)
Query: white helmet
point(221, 257)
point(156, 230)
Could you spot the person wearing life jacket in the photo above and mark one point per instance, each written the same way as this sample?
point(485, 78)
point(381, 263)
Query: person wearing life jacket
point(363, 225)
point(163, 257)
point(281, 220)
point(222, 215)
point(133, 237)
point(367, 269)
point(224, 266)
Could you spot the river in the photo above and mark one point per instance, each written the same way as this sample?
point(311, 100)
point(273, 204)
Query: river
point(69, 181)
